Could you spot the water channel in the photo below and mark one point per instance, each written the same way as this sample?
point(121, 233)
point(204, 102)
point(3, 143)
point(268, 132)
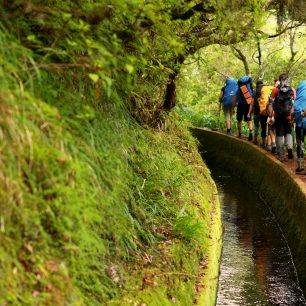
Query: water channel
point(256, 265)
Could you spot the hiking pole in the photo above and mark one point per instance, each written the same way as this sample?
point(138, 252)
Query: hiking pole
point(219, 115)
point(293, 134)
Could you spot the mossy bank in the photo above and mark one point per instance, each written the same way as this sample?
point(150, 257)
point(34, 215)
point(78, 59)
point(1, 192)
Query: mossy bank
point(285, 195)
point(96, 209)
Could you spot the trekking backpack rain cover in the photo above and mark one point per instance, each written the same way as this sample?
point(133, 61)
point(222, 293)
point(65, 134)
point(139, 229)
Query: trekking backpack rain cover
point(229, 92)
point(265, 93)
point(300, 103)
point(283, 101)
point(246, 91)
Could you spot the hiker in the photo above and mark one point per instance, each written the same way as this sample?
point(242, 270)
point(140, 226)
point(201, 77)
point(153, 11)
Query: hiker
point(283, 96)
point(300, 123)
point(254, 107)
point(271, 144)
point(226, 100)
point(261, 101)
point(244, 98)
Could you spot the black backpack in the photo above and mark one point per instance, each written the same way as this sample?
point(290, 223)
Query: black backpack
point(256, 96)
point(283, 102)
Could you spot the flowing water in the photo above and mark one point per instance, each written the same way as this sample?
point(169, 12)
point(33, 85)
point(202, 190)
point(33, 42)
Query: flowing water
point(256, 265)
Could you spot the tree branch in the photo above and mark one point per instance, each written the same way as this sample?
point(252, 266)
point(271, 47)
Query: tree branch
point(292, 34)
point(199, 7)
point(259, 53)
point(283, 30)
point(243, 58)
point(294, 63)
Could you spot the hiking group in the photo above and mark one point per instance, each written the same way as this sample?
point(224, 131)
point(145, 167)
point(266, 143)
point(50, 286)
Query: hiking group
point(275, 111)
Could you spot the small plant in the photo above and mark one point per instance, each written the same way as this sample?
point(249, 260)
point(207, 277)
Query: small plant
point(211, 121)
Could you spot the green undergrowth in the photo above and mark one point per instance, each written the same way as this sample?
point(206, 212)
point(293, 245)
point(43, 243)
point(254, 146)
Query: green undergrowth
point(94, 208)
point(209, 120)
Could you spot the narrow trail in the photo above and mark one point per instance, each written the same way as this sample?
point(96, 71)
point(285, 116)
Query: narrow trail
point(289, 164)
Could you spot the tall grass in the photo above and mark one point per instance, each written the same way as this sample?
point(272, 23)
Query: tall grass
point(93, 207)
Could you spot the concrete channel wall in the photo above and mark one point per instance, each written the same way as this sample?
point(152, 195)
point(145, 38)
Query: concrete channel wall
point(281, 190)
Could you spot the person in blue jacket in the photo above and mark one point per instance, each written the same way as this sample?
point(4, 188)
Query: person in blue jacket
point(226, 100)
point(300, 123)
point(244, 98)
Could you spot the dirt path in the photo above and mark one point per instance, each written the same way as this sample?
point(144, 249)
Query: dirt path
point(289, 164)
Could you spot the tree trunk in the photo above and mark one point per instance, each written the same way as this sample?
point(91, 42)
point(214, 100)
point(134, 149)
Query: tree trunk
point(170, 97)
point(243, 58)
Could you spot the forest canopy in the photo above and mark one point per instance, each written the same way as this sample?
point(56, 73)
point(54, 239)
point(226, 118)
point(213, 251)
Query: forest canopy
point(204, 73)
point(130, 46)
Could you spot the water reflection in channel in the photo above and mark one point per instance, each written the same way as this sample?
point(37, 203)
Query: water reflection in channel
point(256, 266)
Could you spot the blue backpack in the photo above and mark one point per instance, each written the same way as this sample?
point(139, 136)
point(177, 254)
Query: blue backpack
point(245, 92)
point(300, 104)
point(229, 92)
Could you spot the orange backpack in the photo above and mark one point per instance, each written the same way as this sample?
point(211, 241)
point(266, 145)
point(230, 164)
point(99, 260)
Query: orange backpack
point(263, 100)
point(246, 94)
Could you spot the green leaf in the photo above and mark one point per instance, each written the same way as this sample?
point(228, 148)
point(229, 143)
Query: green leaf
point(93, 77)
point(129, 68)
point(108, 85)
point(66, 16)
point(31, 38)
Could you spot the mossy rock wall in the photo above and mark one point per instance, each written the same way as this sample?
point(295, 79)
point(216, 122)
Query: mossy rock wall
point(285, 194)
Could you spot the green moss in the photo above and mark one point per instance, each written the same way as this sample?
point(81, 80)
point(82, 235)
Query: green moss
point(94, 208)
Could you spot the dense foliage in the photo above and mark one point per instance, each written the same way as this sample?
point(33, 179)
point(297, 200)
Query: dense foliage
point(93, 207)
point(132, 47)
point(103, 196)
point(202, 76)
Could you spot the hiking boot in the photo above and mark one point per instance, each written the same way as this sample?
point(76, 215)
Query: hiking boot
point(268, 148)
point(239, 135)
point(229, 132)
point(290, 154)
point(250, 138)
point(300, 165)
point(273, 150)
